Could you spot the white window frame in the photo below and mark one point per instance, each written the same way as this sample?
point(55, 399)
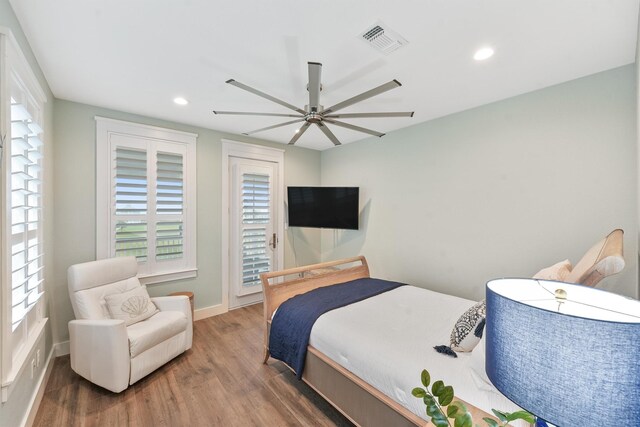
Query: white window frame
point(16, 353)
point(153, 136)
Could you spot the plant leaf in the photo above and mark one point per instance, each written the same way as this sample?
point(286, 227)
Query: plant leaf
point(432, 407)
point(464, 421)
point(460, 406)
point(521, 415)
point(452, 410)
point(437, 387)
point(425, 377)
point(490, 422)
point(433, 411)
point(500, 415)
point(419, 392)
point(446, 396)
point(440, 422)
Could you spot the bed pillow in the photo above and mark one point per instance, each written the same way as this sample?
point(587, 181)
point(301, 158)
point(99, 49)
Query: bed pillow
point(132, 306)
point(468, 329)
point(557, 272)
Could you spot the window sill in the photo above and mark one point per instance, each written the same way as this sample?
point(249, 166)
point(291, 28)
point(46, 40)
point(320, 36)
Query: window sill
point(168, 276)
point(20, 362)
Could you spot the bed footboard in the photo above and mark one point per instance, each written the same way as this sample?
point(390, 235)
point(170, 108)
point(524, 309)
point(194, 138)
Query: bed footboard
point(279, 286)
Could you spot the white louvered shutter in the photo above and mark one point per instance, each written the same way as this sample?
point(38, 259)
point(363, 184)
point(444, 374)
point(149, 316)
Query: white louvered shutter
point(26, 206)
point(256, 230)
point(130, 187)
point(169, 238)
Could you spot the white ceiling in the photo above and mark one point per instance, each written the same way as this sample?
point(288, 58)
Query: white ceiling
point(136, 56)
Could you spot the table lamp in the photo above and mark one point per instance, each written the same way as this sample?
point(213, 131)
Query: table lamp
point(567, 353)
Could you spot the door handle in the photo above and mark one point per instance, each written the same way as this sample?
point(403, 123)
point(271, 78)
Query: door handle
point(274, 241)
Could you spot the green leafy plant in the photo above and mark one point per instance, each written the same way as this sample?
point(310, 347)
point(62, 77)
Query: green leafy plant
point(441, 407)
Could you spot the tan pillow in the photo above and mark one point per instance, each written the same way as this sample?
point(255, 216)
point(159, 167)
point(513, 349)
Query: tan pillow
point(132, 306)
point(558, 272)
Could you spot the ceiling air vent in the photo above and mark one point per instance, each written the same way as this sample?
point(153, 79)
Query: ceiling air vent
point(382, 38)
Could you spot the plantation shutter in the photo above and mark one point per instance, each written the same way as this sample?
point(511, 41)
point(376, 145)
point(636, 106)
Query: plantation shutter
point(256, 217)
point(25, 206)
point(169, 206)
point(131, 200)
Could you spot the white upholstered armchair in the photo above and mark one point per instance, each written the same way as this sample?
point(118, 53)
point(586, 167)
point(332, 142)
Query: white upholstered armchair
point(114, 349)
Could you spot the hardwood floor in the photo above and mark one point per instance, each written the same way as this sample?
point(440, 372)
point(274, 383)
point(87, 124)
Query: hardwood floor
point(221, 381)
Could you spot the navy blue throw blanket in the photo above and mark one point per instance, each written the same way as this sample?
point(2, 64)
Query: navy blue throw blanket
point(292, 323)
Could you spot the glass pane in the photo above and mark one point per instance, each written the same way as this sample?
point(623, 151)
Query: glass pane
point(131, 239)
point(169, 240)
point(255, 199)
point(131, 182)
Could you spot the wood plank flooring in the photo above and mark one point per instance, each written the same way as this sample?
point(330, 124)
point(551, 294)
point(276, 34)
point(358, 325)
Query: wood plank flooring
point(221, 381)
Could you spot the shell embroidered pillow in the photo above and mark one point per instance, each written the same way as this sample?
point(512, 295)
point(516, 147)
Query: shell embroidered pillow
point(132, 306)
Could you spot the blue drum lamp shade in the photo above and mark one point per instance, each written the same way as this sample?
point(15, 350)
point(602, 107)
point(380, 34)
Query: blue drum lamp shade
point(568, 354)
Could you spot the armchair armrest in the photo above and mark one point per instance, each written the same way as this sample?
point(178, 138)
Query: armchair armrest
point(100, 352)
point(177, 303)
point(174, 303)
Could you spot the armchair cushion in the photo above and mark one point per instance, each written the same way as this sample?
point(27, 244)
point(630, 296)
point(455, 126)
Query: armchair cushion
point(131, 306)
point(90, 303)
point(156, 329)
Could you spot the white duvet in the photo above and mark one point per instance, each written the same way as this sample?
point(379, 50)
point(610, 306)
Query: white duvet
point(387, 341)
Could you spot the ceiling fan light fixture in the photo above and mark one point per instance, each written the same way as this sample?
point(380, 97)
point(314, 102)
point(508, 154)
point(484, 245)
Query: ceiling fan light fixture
point(483, 53)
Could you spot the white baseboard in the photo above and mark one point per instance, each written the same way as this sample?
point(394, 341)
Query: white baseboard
point(62, 348)
point(214, 310)
point(38, 393)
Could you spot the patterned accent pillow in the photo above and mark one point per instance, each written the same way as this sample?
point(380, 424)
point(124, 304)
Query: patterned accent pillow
point(464, 336)
point(132, 306)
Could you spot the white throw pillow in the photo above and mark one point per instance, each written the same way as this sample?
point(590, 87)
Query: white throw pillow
point(463, 336)
point(132, 306)
point(557, 272)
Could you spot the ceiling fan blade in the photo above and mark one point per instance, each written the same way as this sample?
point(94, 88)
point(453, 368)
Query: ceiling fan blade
point(298, 134)
point(365, 95)
point(354, 127)
point(315, 70)
point(265, 96)
point(274, 126)
point(242, 113)
point(368, 115)
point(329, 134)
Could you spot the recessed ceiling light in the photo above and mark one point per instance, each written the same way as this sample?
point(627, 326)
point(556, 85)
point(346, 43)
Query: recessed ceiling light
point(482, 54)
point(180, 101)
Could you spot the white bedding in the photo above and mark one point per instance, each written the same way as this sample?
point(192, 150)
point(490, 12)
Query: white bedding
point(388, 339)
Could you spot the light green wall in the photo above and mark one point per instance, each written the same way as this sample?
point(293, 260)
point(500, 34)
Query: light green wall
point(500, 190)
point(13, 411)
point(75, 223)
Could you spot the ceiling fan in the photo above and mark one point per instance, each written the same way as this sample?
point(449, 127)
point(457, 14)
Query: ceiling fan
point(314, 113)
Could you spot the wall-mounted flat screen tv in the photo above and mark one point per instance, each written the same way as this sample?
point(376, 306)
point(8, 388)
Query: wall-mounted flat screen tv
point(323, 207)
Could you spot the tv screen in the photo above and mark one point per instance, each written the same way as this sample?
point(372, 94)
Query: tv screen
point(323, 207)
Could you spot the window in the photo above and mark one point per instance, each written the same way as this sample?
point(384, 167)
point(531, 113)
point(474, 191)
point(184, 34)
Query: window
point(22, 162)
point(146, 208)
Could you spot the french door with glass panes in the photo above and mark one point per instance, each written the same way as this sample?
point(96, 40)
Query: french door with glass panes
point(253, 239)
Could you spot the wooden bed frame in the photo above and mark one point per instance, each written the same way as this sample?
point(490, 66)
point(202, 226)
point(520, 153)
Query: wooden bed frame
point(357, 400)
